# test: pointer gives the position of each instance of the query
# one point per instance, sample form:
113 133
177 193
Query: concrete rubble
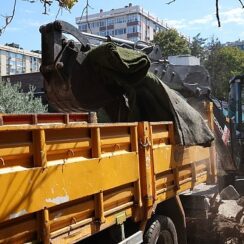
230 209
229 217
224 222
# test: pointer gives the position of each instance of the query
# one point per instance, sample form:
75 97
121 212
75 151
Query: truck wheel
160 230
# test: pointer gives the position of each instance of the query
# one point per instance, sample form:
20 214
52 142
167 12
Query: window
91 24
34 64
110 21
19 56
103 23
110 33
120 31
121 19
11 62
83 27
133 17
95 24
102 33
11 55
133 29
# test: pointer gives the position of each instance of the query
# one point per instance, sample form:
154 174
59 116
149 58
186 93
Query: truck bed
64 179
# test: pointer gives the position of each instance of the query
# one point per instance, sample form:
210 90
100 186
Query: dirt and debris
224 222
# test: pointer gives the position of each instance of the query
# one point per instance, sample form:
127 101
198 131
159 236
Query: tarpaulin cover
123 73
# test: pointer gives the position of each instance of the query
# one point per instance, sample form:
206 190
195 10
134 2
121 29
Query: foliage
14 100
197 47
223 63
171 42
67 3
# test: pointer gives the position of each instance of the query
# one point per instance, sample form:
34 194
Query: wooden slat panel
117 197
115 140
62 183
13 119
13 151
164 180
190 154
15 138
160 134
69 213
20 230
84 144
113 132
67 134
163 159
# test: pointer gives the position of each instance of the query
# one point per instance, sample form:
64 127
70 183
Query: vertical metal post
212 177
96 153
146 167
46 227
39 152
99 208
122 229
96 142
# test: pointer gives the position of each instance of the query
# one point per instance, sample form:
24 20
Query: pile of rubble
226 212
214 217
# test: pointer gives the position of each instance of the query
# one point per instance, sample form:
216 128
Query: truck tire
160 230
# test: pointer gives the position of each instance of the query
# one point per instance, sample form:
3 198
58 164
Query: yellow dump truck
64 179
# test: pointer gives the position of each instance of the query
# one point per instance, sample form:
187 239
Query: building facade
131 23
18 61
239 44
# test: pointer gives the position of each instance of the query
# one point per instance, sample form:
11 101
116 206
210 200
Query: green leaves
197 47
68 4
223 63
171 43
14 100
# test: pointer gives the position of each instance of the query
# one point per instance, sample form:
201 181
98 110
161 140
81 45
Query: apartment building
130 22
239 44
14 60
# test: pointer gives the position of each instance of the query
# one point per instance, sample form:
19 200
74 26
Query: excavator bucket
65 84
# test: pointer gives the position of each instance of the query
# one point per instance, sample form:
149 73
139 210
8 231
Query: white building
131 22
184 60
18 61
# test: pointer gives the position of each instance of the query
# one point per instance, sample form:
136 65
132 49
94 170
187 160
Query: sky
189 17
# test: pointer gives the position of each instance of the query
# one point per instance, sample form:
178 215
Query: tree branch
217 12
8 19
242 5
86 10
170 1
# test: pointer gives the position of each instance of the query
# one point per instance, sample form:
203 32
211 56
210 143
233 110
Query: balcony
135 34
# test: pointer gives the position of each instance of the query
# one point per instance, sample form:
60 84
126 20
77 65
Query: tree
14 100
197 47
171 42
223 63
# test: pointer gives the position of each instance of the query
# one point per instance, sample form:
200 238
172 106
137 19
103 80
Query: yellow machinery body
63 180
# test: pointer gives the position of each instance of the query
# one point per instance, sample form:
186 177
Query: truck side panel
65 182
66 176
